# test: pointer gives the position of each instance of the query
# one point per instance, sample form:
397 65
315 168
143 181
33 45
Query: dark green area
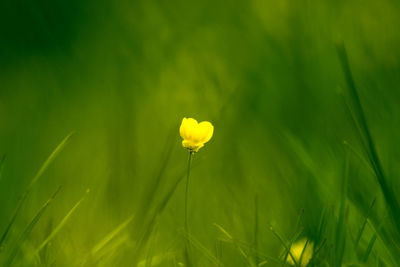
304 97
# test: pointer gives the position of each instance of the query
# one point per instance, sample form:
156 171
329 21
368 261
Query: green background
123 74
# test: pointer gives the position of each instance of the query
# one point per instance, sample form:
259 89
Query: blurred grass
122 74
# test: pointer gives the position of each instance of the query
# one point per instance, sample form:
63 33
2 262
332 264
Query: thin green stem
187 191
186 210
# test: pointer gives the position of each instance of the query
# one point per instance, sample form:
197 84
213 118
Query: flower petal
187 127
205 130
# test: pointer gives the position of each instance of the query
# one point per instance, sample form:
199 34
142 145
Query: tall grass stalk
61 224
298 232
186 206
106 240
153 216
360 120
358 238
152 205
187 190
286 247
239 245
207 253
17 246
341 226
24 196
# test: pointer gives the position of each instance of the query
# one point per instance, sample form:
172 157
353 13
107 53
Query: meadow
302 168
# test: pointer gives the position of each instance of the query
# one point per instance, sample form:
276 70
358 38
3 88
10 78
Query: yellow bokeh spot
195 134
297 249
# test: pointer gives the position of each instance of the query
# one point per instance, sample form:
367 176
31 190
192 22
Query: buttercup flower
195 134
297 249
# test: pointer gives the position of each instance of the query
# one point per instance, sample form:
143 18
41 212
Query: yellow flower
195 134
297 249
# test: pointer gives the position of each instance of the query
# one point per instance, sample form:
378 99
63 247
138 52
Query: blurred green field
299 151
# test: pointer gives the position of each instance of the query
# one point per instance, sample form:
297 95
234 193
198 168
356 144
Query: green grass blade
223 231
60 225
203 249
21 201
150 251
369 248
29 229
50 159
358 238
340 235
159 208
366 136
284 245
106 255
151 207
239 245
318 250
110 236
388 245
154 185
359 156
291 241
302 252
295 236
